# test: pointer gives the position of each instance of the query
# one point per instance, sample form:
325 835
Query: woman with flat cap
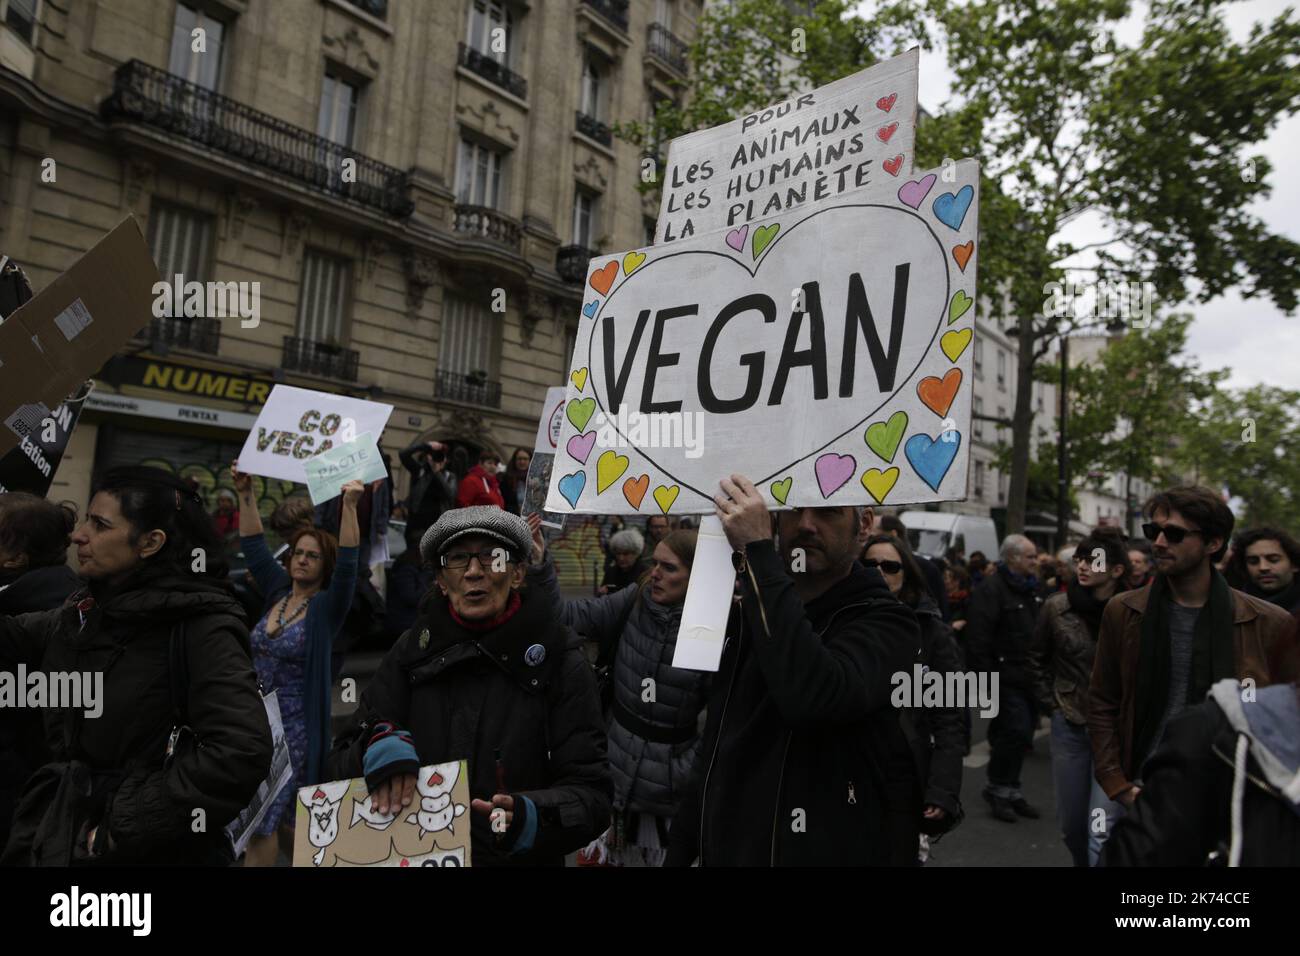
488 673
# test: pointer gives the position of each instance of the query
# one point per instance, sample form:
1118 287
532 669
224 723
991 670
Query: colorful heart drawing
951 209
632 261
880 483
833 471
571 487
609 469
580 411
589 310
634 490
937 394
931 459
954 343
883 437
579 446
959 306
961 254
885 132
886 103
914 193
763 237
736 238
781 489
579 377
893 166
602 280
665 496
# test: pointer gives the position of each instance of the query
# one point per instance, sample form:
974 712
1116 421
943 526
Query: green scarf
1212 657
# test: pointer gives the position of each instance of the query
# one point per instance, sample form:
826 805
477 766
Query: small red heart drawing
885 132
319 794
886 103
892 166
603 279
435 779
937 394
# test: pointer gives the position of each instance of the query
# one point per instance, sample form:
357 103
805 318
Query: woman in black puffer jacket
112 792
657 710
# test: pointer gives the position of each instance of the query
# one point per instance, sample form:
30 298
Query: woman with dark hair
939 735
652 743
308 600
514 483
1060 665
128 787
487 674
34 539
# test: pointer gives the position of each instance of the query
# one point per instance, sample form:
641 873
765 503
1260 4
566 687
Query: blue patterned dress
281 663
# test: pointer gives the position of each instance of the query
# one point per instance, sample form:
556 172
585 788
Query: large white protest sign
840 138
296 424
830 365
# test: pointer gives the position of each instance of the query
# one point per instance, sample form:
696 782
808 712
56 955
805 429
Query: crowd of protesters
1166 666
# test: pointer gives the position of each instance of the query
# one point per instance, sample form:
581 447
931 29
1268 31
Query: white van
932 533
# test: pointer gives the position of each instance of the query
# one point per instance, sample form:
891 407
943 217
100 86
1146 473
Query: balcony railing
201 335
471 387
318 358
495 73
660 42
488 223
615 11
571 263
167 102
591 127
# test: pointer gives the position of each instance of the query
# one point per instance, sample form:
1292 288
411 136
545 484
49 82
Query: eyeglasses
1172 533
889 567
488 559
309 555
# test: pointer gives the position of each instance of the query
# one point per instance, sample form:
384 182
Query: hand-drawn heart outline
753 272
886 103
639 486
604 277
736 238
893 166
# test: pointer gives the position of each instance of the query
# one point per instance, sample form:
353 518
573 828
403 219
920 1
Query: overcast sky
1256 340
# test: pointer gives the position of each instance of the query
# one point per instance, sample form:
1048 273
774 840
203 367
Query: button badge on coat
534 655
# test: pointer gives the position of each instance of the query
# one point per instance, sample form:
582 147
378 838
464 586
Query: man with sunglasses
1161 648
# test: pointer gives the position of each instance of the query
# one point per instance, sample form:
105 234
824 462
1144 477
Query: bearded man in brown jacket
1162 647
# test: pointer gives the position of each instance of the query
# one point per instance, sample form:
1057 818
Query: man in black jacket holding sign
803 761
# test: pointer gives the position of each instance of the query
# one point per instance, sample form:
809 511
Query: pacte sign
829 361
838 139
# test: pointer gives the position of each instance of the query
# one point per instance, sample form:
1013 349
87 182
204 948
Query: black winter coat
469 694
1184 815
804 761
941 734
1000 629
109 771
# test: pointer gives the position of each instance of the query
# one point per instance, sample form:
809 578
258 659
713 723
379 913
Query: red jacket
479 488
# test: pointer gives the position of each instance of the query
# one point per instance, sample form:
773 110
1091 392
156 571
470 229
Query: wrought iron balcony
201 335
615 11
495 73
319 358
471 387
488 223
571 263
162 100
593 128
662 43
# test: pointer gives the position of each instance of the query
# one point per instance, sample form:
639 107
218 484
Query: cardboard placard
853 134
830 364
336 826
62 336
297 424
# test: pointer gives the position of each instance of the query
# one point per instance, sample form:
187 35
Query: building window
202 69
468 334
570 343
978 425
593 81
491 30
179 239
1002 488
376 8
323 298
1002 370
584 218
478 178
649 231
664 13
20 16
979 480
338 109
1002 414
979 358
